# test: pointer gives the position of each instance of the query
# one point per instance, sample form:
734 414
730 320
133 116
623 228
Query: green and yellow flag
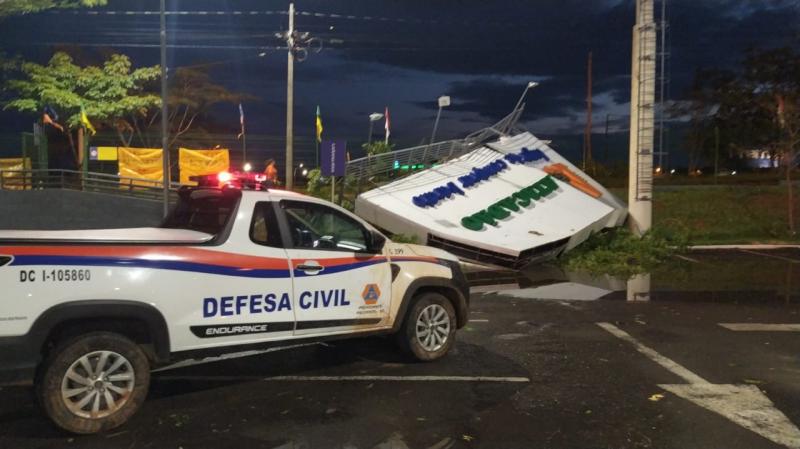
86 123
319 126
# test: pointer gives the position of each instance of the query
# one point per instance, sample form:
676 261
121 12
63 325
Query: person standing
271 172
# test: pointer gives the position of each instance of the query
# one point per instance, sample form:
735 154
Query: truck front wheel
94 382
429 330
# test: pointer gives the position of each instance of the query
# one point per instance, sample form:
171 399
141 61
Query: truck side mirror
376 242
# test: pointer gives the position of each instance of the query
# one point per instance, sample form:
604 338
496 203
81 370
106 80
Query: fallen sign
511 202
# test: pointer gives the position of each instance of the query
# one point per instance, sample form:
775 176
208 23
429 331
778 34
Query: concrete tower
642 130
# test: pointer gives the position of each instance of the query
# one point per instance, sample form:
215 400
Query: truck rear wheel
94 382
429 330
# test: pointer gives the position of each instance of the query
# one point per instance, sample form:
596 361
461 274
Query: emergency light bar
236 180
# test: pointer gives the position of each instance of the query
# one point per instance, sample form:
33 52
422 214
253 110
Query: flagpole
317 134
244 136
386 126
164 119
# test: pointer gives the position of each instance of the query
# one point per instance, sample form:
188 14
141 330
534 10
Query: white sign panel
502 201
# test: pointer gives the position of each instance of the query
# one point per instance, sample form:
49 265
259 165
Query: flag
50 117
781 110
86 123
241 121
319 126
386 125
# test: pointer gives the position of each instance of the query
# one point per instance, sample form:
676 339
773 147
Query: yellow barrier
14 181
201 162
140 163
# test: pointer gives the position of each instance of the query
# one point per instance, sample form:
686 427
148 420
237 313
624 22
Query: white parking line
478 321
669 364
686 258
761 327
744 405
366 378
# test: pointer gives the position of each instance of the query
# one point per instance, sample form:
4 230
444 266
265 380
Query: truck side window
264 228
314 226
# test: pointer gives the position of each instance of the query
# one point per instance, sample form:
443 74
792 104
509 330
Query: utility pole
587 133
436 124
643 74
605 141
663 85
290 101
164 121
369 137
443 102
716 154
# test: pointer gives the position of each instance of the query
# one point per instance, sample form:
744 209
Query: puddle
709 276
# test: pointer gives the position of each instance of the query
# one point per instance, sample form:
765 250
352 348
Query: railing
379 164
86 182
386 163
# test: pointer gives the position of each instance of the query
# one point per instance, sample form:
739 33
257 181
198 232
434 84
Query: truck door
338 286
255 304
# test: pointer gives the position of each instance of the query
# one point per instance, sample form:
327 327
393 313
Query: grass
726 214
619 253
683 216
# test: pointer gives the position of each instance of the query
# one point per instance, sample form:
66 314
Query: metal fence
86 182
381 164
387 163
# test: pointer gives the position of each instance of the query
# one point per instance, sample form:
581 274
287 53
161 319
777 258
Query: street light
374 117
531 85
444 101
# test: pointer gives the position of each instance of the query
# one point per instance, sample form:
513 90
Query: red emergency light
236 180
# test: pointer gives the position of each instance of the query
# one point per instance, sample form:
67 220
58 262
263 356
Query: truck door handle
309 268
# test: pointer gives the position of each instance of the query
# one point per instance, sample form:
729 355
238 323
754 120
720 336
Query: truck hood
126 235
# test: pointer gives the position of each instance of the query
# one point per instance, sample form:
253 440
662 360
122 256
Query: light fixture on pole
374 117
531 85
444 101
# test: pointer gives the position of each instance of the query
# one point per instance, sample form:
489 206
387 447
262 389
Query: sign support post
333 154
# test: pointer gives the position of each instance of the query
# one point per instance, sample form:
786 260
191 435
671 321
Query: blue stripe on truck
145 263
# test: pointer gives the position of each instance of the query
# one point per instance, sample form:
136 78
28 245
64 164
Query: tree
758 107
377 147
107 93
711 104
12 7
772 82
191 95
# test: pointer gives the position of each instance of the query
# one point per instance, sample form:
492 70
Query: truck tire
93 382
429 329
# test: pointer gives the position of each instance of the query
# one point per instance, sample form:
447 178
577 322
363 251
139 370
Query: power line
135 45
168 13
322 15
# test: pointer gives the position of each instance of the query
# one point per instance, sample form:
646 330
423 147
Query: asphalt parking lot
702 367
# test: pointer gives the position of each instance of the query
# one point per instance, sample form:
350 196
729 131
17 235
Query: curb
756 246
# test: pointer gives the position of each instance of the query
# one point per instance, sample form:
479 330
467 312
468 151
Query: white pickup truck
85 315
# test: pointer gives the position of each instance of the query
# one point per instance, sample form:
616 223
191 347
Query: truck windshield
203 210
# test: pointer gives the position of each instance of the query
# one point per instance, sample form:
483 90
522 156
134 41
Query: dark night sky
482 53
